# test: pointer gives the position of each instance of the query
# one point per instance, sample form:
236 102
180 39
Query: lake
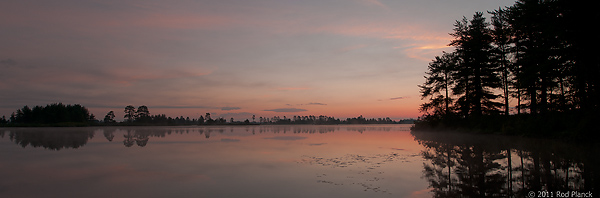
286 161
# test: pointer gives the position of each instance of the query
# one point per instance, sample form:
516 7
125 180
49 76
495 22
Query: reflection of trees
141 139
141 136
109 135
207 134
462 170
310 129
138 137
483 166
53 140
478 172
128 141
440 179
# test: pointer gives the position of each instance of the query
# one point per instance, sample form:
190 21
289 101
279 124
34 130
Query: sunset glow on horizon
233 59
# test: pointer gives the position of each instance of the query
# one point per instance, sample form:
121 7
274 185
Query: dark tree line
142 116
77 115
51 114
538 54
311 119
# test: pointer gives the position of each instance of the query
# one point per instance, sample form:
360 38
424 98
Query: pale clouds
223 56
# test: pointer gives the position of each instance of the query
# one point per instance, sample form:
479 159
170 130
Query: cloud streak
8 62
230 108
182 107
292 88
310 103
376 3
286 110
398 98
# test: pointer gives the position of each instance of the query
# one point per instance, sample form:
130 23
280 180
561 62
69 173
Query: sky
230 58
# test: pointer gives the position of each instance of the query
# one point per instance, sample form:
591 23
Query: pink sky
341 58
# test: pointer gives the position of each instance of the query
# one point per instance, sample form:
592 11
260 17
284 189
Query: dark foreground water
286 161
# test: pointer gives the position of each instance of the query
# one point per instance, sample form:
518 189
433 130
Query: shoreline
567 126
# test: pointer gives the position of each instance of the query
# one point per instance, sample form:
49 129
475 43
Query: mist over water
280 161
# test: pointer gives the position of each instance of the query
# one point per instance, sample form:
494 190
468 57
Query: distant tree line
76 115
538 54
59 114
142 116
311 119
50 114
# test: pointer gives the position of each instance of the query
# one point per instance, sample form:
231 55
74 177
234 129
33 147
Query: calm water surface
283 161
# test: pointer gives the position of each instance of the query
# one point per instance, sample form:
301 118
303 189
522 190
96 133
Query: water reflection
212 161
60 138
483 166
53 140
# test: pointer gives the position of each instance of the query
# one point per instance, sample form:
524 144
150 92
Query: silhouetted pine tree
476 75
438 82
501 36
